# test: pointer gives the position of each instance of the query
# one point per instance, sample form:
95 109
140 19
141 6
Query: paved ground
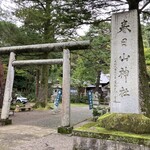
37 130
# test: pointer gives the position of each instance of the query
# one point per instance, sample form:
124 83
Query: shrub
98 111
39 105
74 99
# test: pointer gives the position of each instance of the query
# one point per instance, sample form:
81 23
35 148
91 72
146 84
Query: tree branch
41 4
144 6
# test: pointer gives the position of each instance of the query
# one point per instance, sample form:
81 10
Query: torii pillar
8 91
65 120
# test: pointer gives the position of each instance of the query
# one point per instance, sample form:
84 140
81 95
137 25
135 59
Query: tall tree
52 20
88 66
37 17
145 105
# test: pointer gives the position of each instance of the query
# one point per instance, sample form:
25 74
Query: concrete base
82 143
4 122
65 130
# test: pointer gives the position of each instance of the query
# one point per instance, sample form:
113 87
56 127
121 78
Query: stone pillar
65 120
125 92
2 84
96 99
8 88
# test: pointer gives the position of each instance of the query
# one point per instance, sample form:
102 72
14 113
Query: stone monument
125 84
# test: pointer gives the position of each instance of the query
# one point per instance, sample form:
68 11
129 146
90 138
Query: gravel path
48 118
37 130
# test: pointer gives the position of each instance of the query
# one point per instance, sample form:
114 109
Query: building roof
104 78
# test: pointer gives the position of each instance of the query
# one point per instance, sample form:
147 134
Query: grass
51 106
78 104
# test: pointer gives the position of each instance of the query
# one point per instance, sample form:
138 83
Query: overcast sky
9 6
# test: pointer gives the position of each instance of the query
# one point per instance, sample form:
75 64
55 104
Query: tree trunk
37 82
2 84
133 4
43 85
144 88
48 37
97 81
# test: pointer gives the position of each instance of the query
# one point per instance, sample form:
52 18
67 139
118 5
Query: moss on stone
65 130
4 122
87 126
135 123
92 130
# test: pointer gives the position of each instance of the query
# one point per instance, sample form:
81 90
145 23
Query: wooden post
8 88
65 121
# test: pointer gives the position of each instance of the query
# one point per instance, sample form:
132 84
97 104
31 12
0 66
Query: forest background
24 22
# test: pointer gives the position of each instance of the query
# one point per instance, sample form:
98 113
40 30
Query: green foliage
147 58
146 35
55 73
39 105
100 110
147 55
82 73
135 123
84 99
65 130
10 34
87 64
52 19
12 107
20 104
42 106
74 99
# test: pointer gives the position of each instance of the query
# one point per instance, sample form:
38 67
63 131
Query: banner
58 97
90 99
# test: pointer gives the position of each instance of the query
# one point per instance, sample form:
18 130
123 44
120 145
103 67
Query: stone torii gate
66 47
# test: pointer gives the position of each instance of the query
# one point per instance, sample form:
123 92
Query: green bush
135 123
12 107
39 105
31 96
74 99
20 104
84 99
98 111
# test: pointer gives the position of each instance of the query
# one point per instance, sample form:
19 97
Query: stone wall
82 143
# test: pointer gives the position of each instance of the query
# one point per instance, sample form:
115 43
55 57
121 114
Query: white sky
9 6
83 30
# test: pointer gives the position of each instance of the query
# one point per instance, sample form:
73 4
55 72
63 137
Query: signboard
125 63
